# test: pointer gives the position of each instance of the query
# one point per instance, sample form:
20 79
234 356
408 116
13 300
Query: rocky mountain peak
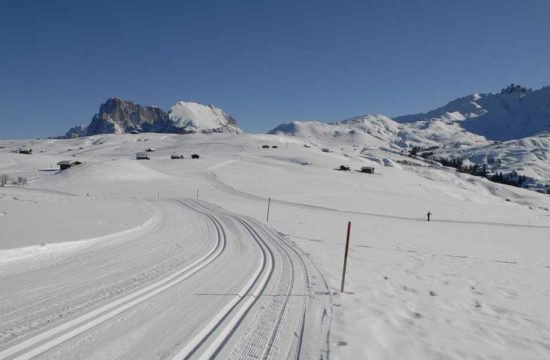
118 116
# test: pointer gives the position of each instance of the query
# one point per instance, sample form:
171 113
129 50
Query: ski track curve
47 340
273 314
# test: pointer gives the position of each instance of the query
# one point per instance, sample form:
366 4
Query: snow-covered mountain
514 113
193 117
117 116
380 131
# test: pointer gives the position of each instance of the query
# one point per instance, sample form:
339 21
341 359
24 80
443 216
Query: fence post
345 257
268 206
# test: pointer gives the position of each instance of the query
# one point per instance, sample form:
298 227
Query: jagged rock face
117 116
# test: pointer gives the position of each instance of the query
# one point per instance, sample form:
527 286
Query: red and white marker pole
345 257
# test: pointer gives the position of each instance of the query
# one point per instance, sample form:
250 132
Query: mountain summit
514 113
117 116
190 117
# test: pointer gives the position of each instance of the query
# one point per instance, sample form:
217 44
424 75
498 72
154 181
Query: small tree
4 178
21 180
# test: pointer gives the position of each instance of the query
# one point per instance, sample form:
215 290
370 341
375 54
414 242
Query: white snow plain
116 258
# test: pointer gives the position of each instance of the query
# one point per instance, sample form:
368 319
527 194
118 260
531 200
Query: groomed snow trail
202 283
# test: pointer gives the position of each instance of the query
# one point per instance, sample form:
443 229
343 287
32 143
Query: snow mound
195 117
114 170
391 163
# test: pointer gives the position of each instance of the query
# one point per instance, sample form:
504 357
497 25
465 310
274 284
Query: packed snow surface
168 259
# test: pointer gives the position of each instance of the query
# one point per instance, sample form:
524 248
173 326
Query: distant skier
428 215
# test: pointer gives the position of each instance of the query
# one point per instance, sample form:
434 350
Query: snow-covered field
116 258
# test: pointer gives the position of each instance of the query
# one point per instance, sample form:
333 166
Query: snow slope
445 138
472 283
529 156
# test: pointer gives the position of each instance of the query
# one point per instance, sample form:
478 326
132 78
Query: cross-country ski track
199 282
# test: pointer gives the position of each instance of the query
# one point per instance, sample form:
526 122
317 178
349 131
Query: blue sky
264 62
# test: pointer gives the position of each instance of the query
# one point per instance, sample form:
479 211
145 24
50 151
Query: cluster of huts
145 156
364 169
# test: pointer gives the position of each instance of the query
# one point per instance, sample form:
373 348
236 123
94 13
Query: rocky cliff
117 116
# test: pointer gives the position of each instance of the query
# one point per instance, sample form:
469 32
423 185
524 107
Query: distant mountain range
514 113
508 131
117 116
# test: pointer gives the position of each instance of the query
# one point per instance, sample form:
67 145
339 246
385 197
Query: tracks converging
264 318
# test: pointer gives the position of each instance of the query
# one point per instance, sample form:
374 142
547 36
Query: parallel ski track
246 222
218 332
205 345
49 339
289 290
210 340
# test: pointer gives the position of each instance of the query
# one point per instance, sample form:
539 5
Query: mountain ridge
514 113
118 116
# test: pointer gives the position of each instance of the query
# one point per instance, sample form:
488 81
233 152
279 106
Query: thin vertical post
158 195
197 193
268 206
345 257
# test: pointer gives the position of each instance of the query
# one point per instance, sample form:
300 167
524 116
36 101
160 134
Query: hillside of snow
453 132
529 156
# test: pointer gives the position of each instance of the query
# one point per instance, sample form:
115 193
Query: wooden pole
345 257
268 206
197 193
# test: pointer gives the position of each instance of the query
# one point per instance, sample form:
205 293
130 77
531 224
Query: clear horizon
264 64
